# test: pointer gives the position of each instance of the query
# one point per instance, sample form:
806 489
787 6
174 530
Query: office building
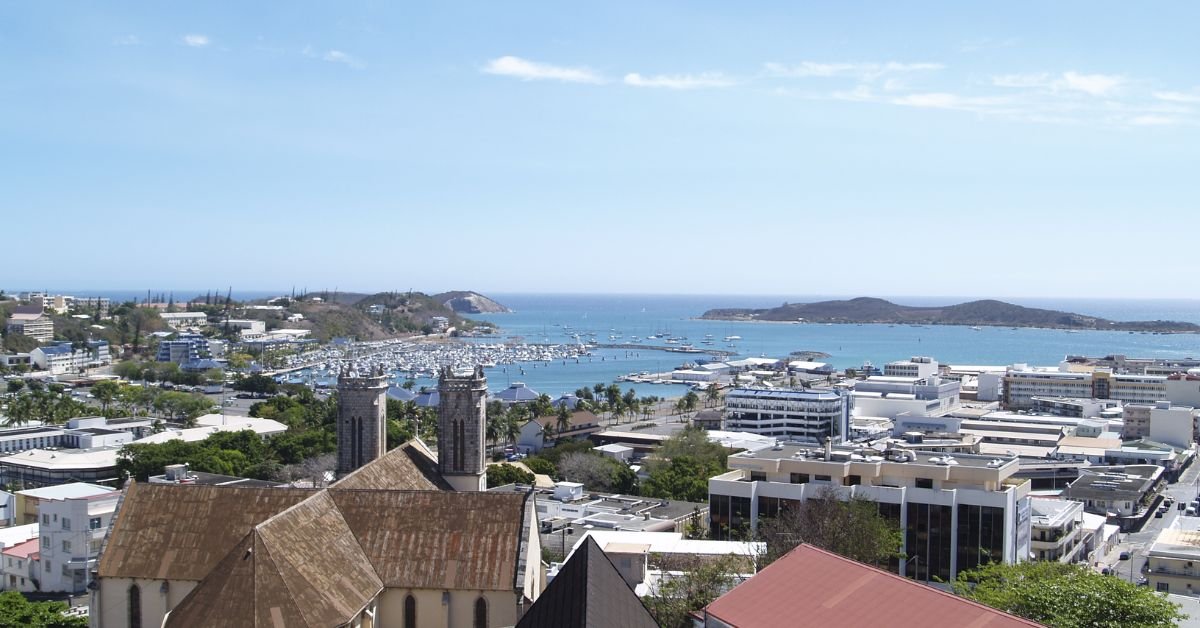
807 416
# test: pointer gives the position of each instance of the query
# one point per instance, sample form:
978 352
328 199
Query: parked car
1158 515
1124 556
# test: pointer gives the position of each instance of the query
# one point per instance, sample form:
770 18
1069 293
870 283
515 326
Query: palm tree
714 394
564 420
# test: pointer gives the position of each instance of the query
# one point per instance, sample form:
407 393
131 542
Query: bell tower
462 418
362 418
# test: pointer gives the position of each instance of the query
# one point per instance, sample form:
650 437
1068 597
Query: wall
110 608
432 613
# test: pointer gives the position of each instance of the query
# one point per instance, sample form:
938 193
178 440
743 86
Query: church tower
362 418
462 417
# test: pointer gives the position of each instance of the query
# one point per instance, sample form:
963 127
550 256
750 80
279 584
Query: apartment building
916 366
183 349
64 357
807 416
1057 530
30 320
1178 426
894 395
184 320
1174 562
1022 384
19 566
955 510
72 530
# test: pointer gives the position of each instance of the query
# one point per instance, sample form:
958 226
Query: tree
700 582
15 386
852 528
563 422
16 610
712 394
501 474
1065 596
257 384
597 472
105 392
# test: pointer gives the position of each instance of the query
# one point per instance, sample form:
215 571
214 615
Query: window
924 483
66 523
824 478
66 545
410 612
481 620
46 566
799 478
758 476
45 519
45 541
135 606
94 523
852 480
1163 587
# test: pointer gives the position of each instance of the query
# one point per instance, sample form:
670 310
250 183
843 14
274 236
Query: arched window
135 606
410 612
481 613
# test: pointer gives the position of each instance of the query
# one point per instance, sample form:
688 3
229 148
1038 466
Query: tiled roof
836 591
587 592
23 550
180 532
303 566
409 467
437 539
578 418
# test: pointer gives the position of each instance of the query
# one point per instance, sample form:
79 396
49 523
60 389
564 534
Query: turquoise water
541 318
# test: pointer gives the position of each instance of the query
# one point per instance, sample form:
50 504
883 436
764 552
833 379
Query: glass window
135 606
853 480
824 478
410 612
94 523
758 476
66 523
799 478
481 618
924 483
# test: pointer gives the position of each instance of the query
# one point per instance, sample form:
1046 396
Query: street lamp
565 531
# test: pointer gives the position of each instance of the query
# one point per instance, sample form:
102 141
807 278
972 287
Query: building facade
362 418
807 416
462 419
72 532
63 357
1022 384
956 511
183 349
30 321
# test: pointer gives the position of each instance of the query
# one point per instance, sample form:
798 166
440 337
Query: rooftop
843 453
74 490
25 549
1177 543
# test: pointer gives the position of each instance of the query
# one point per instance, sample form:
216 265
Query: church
404 538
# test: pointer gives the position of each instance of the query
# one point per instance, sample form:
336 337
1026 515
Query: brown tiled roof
437 540
409 467
180 532
833 593
578 418
588 592
302 566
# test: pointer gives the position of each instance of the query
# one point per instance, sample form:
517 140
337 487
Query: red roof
23 550
811 587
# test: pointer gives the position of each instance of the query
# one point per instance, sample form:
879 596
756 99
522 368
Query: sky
851 148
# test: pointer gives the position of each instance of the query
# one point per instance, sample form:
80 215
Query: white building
956 511
1057 530
1022 383
72 530
30 321
63 357
1184 388
796 415
916 366
184 320
1174 561
1174 425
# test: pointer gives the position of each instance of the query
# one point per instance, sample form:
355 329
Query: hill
467 302
975 313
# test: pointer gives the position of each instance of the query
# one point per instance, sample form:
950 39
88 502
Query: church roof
180 532
409 467
302 566
587 592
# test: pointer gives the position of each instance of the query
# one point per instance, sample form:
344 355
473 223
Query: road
1138 543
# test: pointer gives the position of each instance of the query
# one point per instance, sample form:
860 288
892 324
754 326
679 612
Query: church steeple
462 418
362 417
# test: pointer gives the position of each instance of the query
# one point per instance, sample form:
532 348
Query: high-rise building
362 418
462 417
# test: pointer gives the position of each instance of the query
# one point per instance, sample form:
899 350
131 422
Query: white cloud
1094 84
1091 84
127 40
1178 97
527 70
337 56
863 71
1154 120
680 81
195 41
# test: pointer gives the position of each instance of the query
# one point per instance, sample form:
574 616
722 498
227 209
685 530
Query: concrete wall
110 604
446 609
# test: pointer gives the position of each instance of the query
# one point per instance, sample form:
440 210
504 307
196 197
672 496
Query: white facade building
795 415
916 366
72 531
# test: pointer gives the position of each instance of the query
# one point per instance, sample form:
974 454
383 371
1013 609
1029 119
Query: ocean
542 318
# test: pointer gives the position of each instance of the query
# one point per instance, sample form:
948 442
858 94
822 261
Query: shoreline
966 325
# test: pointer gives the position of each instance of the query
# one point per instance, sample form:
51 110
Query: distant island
988 312
467 302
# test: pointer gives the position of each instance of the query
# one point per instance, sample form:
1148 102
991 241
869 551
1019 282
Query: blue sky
1012 149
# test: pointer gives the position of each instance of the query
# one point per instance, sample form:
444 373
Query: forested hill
975 313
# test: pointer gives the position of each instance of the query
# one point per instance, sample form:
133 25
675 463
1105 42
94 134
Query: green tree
712 394
684 478
563 422
541 465
699 583
258 384
852 528
105 392
16 610
501 474
1065 596
15 386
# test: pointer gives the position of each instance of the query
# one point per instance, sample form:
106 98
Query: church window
135 606
481 620
410 612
